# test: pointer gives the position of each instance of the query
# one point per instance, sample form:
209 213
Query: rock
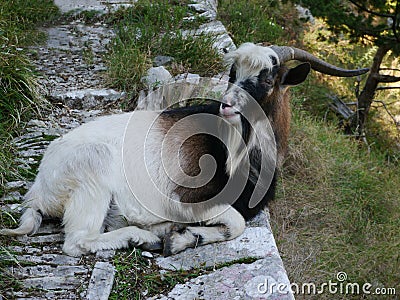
188 77
41 239
88 98
46 270
36 123
101 281
162 60
101 7
105 254
147 254
255 242
258 280
305 14
50 259
156 77
53 283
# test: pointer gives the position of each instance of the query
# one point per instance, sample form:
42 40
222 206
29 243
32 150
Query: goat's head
261 73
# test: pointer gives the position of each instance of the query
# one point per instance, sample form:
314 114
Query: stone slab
51 259
258 280
53 283
47 270
41 239
96 5
255 242
101 281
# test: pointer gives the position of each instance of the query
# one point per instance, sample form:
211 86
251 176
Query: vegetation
138 278
19 90
372 22
337 208
147 30
20 94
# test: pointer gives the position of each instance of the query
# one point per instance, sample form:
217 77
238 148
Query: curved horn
286 53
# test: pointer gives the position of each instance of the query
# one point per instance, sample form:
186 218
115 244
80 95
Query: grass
260 21
337 209
138 278
20 96
148 30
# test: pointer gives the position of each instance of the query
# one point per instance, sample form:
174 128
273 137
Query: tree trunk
367 95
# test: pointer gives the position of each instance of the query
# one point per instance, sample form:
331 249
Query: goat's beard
231 135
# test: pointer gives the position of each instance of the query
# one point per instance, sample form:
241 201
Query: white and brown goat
86 176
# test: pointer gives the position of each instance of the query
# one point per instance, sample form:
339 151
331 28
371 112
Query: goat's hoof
155 246
168 249
175 242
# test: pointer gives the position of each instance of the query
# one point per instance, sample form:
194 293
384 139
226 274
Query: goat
100 177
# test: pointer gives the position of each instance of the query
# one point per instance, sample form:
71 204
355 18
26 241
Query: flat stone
25 249
188 77
53 283
260 220
96 5
156 76
147 254
13 197
105 254
47 270
42 239
15 184
37 123
255 242
50 259
258 280
88 98
101 281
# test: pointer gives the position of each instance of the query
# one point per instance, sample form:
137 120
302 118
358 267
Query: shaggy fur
135 174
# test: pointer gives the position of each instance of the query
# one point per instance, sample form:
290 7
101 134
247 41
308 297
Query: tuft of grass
20 97
137 277
152 28
260 21
20 18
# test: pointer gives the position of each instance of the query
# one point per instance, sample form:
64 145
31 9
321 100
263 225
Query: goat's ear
296 75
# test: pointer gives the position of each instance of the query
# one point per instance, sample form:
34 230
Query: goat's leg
121 238
228 225
83 220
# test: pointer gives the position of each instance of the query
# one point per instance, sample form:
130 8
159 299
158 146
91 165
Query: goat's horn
286 53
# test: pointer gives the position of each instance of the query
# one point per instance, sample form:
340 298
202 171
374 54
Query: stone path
71 64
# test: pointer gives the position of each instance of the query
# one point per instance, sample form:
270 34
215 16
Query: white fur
82 172
94 168
250 59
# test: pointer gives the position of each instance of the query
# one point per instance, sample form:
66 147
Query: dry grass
337 210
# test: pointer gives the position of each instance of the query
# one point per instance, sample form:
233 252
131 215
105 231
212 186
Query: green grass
148 30
337 209
20 18
20 96
260 21
19 89
138 278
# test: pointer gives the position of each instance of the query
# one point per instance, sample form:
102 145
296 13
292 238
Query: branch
397 124
389 69
381 88
386 78
372 12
